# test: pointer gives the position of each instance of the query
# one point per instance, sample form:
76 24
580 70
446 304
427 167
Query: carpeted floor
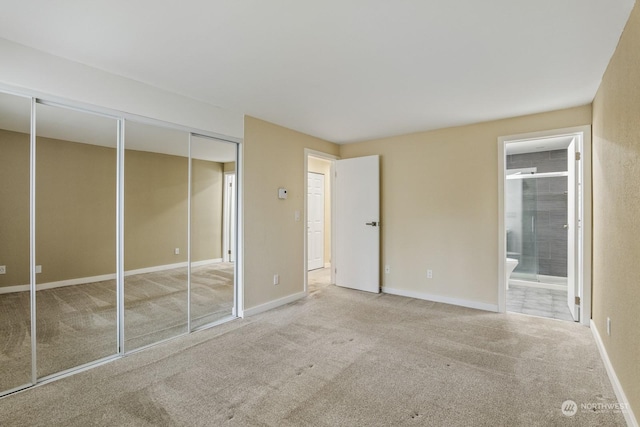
341 357
77 324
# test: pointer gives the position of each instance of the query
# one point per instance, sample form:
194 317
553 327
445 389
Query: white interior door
229 237
572 230
357 222
315 221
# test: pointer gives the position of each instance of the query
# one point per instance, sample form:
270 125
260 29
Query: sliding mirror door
212 225
15 313
76 299
156 182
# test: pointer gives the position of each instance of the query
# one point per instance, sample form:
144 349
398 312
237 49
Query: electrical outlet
3 269
38 269
387 269
429 274
176 251
276 279
608 326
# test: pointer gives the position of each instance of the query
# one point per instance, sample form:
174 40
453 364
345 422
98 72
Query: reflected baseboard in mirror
91 308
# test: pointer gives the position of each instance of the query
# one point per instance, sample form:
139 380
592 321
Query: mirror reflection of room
156 183
15 313
212 230
59 237
75 252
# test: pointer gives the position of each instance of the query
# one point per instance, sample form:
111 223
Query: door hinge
577 300
577 155
229 251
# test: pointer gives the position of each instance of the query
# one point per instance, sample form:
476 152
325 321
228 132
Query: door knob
372 223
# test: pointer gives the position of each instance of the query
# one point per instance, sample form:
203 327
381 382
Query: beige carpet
77 324
341 358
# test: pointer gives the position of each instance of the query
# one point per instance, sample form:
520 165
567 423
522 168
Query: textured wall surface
616 205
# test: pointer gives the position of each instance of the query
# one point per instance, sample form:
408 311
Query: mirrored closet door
115 234
212 230
156 192
75 245
15 313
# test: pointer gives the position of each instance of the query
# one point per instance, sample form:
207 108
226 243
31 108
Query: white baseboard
155 268
272 304
12 289
206 262
615 383
93 279
437 298
58 284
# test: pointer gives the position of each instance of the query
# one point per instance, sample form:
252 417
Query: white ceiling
342 70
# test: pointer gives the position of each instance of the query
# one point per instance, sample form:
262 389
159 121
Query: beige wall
14 207
230 167
273 240
616 206
324 167
155 209
156 188
207 182
76 209
439 204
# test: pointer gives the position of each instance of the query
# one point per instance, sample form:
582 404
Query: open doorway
543 241
318 215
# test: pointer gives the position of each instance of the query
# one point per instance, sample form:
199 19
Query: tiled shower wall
551 211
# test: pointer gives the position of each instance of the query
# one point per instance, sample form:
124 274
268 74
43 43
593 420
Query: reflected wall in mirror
76 298
15 314
155 233
212 272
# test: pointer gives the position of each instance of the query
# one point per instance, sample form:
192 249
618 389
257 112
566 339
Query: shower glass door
521 218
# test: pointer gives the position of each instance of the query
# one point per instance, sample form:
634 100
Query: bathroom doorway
543 226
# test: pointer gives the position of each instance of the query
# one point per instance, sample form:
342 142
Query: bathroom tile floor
538 302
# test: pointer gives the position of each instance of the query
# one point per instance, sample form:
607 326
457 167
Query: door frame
584 234
331 158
